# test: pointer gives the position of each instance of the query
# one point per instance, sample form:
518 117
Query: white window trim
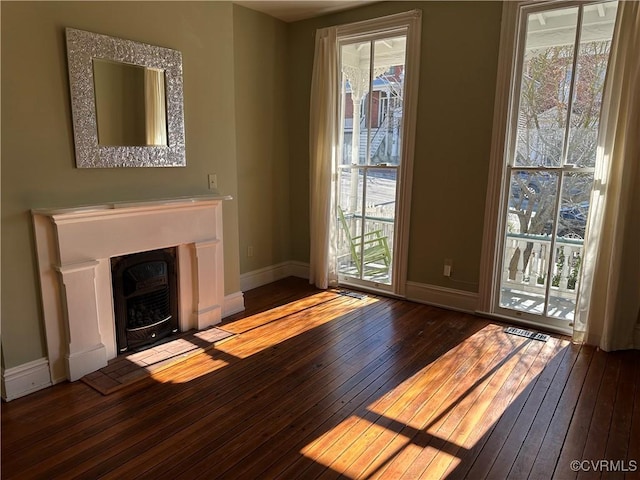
501 119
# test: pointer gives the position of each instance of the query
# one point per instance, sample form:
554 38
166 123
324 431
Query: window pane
366 254
545 87
574 205
564 279
380 201
593 57
356 61
386 109
572 221
351 190
525 266
532 200
349 220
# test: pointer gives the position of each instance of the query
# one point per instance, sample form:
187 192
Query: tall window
361 152
552 139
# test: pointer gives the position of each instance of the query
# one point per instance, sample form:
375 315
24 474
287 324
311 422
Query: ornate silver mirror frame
82 48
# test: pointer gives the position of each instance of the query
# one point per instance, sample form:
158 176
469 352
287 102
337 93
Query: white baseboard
233 303
450 298
25 379
298 269
263 276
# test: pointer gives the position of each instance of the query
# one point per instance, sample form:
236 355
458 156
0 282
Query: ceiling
294 10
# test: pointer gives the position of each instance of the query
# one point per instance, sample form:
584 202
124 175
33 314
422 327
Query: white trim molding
492 225
298 269
25 379
527 323
272 273
437 296
233 303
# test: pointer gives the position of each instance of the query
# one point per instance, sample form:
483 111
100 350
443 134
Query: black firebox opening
145 298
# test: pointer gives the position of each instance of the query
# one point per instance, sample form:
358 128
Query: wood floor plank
532 443
499 421
382 376
261 319
435 402
317 384
312 390
546 460
633 450
440 432
620 430
596 442
439 342
451 378
369 425
312 365
386 442
497 464
447 450
482 412
573 444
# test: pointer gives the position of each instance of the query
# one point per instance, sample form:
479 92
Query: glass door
368 169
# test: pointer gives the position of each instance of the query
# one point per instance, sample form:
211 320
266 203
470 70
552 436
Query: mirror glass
126 102
130 104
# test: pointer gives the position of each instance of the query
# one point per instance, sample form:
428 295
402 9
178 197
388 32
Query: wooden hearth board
125 370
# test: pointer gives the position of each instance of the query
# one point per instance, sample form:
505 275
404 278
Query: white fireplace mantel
74 248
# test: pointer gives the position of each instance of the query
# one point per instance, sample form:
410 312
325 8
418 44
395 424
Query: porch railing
526 260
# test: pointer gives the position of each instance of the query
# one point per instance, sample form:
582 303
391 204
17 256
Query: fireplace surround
74 251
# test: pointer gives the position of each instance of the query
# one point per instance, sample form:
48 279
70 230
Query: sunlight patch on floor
337 447
404 401
190 369
434 426
280 312
293 320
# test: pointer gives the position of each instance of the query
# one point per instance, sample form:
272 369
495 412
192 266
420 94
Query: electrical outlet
213 181
448 267
250 251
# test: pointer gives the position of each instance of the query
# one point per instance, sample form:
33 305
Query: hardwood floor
319 384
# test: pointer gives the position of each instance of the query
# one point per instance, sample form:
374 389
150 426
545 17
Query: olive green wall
261 74
459 54
38 166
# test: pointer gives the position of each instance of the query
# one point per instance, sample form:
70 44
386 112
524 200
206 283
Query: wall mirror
126 102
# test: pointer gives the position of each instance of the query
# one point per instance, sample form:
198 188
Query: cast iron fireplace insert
145 298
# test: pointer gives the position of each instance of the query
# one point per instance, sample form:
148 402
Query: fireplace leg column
210 290
85 351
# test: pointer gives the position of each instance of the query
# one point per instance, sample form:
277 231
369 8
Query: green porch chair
373 246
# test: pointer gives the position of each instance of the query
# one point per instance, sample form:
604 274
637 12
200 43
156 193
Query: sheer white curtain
323 143
609 306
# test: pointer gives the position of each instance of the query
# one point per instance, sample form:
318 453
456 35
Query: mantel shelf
146 204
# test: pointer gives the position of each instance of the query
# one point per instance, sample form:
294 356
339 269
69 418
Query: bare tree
542 123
